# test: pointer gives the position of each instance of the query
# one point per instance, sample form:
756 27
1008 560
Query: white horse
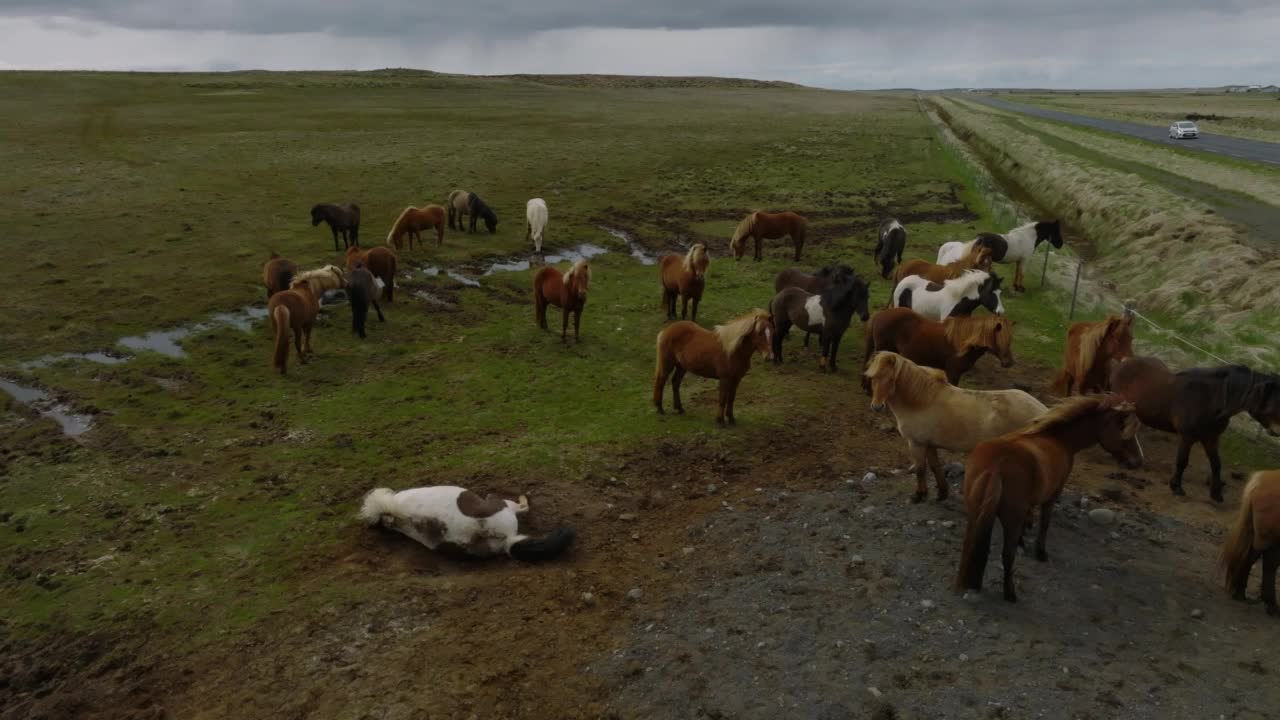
957 296
1015 246
452 518
535 212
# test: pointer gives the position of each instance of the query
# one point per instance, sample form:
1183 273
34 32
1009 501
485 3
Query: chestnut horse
1091 349
1197 405
978 259
1006 478
1256 535
567 291
953 346
768 226
412 221
293 310
722 354
381 261
343 220
934 415
684 277
277 273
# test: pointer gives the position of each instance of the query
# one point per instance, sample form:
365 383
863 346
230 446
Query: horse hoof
1177 490
1042 556
1239 597
679 411
1216 494
1273 611
661 411
732 422
917 498
1010 597
942 497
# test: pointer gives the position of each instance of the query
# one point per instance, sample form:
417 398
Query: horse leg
669 298
297 343
676 379
833 350
577 318
540 312
1210 445
732 395
1046 511
759 240
806 339
439 235
1270 559
693 315
1012 530
375 307
335 237
1180 465
939 477
684 306
1017 277
564 324
306 334
1240 582
660 382
920 460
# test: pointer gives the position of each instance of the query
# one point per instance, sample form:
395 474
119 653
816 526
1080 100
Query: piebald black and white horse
888 252
827 313
958 296
1019 244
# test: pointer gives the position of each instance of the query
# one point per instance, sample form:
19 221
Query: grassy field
1248 115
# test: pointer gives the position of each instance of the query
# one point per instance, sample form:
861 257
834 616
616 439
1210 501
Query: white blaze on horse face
814 307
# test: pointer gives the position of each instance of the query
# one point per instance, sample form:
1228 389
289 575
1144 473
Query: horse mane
743 228
1091 340
580 269
308 274
913 384
967 332
1068 410
733 332
696 260
970 279
396 225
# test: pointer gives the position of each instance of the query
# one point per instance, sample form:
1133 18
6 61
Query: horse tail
377 503
280 318
390 279
977 536
1239 545
528 549
359 295
395 227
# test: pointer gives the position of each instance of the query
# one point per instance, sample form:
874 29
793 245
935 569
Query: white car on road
1183 129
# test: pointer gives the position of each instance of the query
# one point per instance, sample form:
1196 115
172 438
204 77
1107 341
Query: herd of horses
943 316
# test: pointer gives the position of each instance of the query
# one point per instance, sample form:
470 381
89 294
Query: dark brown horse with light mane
953 346
381 261
567 291
722 354
684 277
1006 478
1255 535
293 310
768 226
343 220
1091 349
277 273
412 221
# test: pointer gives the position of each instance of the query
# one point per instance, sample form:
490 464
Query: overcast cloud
917 43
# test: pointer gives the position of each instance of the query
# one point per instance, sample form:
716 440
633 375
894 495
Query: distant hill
645 81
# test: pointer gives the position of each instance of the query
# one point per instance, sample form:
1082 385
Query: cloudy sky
830 43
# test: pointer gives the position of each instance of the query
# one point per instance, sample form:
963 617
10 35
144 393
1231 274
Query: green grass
1249 115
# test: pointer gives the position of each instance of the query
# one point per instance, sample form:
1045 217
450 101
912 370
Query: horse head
762 334
578 278
882 375
491 222
1051 231
317 215
982 257
989 294
851 291
1118 431
1117 344
1266 407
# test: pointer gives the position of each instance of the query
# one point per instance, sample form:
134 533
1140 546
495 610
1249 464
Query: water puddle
72 424
166 342
101 358
433 271
637 252
585 251
432 299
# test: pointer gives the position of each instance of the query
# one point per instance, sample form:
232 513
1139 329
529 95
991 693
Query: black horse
827 313
343 219
888 252
478 210
812 283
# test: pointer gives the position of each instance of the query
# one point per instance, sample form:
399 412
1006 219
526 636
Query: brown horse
722 354
1091 348
768 226
343 220
292 310
953 346
381 261
567 291
1197 405
1256 535
977 259
684 277
1006 478
277 273
412 221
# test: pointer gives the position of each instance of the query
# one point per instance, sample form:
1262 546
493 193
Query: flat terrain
1244 115
194 553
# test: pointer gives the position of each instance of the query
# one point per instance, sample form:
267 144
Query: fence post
1075 289
1045 270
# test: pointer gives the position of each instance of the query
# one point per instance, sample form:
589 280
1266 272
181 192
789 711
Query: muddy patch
72 423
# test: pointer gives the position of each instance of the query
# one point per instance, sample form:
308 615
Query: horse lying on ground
1255 535
343 219
535 213
684 277
722 354
1006 478
1197 405
979 259
888 252
1091 349
363 289
1019 245
960 296
293 310
277 273
381 261
452 519
567 291
827 313
412 221
768 226
953 346
933 414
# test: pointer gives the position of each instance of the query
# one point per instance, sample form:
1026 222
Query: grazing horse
481 211
412 221
381 261
827 313
768 226
979 259
684 277
1020 244
722 354
933 414
363 289
329 277
535 213
1256 535
1091 348
567 291
888 252
292 310
1009 476
952 346
459 204
960 296
452 519
277 273
344 219
1197 405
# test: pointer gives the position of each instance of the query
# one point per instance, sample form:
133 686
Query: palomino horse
452 519
381 261
722 354
768 226
343 219
952 346
827 313
459 204
321 280
1091 348
292 310
1006 478
1256 535
1197 405
1020 244
567 291
412 221
933 414
888 252
979 259
535 214
481 211
363 289
684 277
277 273
960 296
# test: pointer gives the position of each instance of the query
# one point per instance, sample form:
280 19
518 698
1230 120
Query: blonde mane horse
722 354
329 277
1091 348
759 226
685 278
934 415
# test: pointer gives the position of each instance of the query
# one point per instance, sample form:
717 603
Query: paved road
1240 148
